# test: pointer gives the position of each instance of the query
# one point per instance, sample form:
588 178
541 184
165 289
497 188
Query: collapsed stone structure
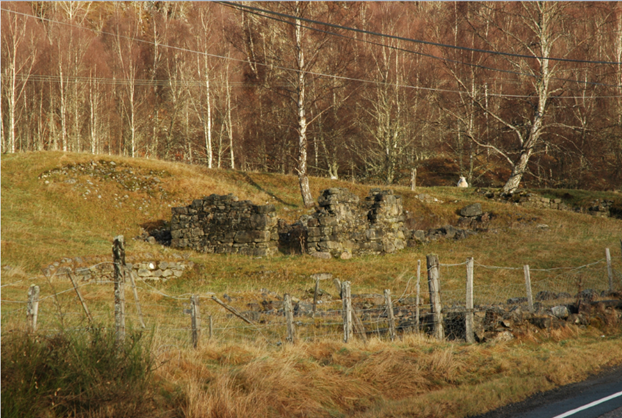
342 226
222 224
603 208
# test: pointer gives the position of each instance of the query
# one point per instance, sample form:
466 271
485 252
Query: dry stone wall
222 224
145 266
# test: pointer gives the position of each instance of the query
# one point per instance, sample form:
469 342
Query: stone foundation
222 224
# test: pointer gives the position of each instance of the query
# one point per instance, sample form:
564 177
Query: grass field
58 205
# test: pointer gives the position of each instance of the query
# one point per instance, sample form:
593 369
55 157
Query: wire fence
316 315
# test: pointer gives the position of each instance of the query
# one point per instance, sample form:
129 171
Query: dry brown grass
414 377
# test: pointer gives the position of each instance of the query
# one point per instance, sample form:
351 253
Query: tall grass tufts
76 374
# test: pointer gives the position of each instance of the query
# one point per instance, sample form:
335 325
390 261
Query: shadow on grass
253 183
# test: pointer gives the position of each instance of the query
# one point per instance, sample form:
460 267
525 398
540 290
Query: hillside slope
60 205
57 205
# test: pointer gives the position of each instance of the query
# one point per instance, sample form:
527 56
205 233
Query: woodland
507 94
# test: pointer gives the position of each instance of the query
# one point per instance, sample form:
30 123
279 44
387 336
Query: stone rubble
599 207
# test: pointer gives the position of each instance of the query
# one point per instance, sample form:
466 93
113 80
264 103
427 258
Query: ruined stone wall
600 207
222 224
344 226
146 266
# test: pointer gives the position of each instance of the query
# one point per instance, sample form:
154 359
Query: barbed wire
271 324
453 265
14 283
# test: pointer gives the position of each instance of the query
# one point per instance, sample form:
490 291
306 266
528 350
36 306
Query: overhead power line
460 92
483 67
48 78
419 41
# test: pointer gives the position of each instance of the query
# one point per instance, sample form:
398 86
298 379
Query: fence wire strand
171 319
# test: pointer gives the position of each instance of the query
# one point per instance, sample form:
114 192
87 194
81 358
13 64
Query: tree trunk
229 123
303 178
208 133
517 172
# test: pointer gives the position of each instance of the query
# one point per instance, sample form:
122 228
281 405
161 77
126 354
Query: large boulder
471 211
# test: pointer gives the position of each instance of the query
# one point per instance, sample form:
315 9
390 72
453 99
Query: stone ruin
222 224
342 226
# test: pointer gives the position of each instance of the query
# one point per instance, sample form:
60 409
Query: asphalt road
572 401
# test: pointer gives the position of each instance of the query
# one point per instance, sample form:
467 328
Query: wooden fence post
387 301
470 336
609 269
337 284
32 309
417 300
118 257
289 317
413 179
317 289
433 265
75 286
528 287
346 297
211 328
195 315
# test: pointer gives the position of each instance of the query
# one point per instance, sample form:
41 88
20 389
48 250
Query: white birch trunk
208 132
303 178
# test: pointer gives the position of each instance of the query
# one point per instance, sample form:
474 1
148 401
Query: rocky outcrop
222 224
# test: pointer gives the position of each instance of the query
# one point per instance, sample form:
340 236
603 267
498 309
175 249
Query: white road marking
589 405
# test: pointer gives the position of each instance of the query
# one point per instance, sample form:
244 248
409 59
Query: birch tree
533 30
18 57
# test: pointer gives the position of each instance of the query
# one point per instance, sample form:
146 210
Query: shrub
76 375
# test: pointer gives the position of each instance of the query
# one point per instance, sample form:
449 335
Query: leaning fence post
289 317
118 257
417 300
347 311
387 301
609 269
470 337
528 287
75 286
195 315
435 297
32 309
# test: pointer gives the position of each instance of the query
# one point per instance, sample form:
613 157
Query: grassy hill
59 205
